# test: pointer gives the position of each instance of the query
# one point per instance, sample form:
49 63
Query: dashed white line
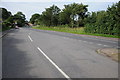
105 45
84 41
102 40
63 73
99 44
30 38
65 38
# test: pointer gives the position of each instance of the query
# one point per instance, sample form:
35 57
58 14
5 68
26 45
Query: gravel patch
112 53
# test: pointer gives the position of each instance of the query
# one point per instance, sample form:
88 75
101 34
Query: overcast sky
30 7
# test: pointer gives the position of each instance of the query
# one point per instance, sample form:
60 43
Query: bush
104 22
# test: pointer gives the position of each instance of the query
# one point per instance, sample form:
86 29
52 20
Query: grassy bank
72 30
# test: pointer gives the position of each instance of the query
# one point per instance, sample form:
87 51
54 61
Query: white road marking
105 45
115 42
99 44
84 41
30 38
102 40
65 38
64 74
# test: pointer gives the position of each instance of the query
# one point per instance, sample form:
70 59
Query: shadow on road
15 63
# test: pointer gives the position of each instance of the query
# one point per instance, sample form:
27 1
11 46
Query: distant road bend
31 53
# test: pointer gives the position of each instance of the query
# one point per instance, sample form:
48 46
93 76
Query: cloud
59 0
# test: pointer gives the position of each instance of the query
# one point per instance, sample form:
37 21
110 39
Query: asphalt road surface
31 53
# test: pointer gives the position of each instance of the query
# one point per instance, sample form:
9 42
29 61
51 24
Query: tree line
77 15
72 15
104 22
8 20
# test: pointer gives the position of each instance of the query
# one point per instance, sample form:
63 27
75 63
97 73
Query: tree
5 14
64 16
34 18
114 18
50 16
6 24
55 15
105 22
8 19
73 14
19 17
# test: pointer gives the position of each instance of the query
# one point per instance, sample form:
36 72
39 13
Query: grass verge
72 30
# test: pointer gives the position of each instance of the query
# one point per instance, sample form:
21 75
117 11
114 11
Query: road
31 53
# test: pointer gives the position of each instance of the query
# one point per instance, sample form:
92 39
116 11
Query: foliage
104 22
5 14
8 19
19 17
50 16
5 18
76 15
34 18
72 15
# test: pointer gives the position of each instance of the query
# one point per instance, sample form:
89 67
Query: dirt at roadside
112 53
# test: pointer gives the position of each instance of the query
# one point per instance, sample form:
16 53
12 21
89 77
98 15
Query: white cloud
59 0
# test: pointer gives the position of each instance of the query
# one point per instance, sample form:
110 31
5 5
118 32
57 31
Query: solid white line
30 38
66 76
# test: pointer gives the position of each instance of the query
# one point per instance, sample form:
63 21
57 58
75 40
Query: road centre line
99 44
89 42
84 41
102 40
63 73
105 45
30 38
